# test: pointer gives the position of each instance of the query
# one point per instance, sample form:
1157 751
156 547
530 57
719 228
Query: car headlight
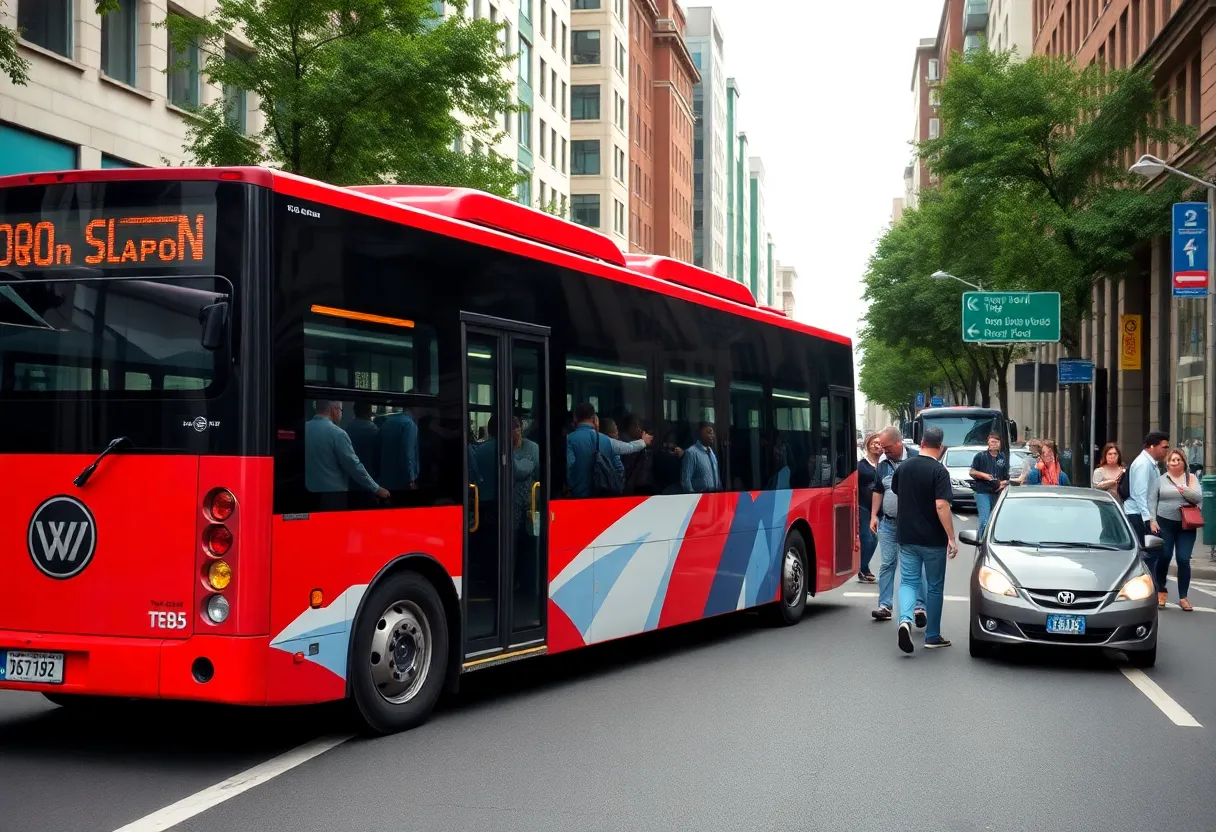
1137 589
996 582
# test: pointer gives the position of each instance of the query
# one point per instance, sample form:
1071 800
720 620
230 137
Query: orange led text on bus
115 241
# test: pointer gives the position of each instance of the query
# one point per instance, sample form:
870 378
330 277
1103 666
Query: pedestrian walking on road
1173 492
1034 449
1107 475
990 471
1141 477
885 510
926 536
866 471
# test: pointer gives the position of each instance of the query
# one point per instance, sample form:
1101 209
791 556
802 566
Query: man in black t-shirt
991 473
926 536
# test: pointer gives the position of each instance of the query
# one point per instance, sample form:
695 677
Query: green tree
355 91
12 62
891 377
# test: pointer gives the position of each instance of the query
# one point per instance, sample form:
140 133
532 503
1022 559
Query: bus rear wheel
795 581
400 654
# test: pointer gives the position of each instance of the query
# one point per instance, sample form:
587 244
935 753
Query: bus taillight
217 539
220 504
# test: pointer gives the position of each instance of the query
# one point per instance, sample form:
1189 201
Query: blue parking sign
1190 250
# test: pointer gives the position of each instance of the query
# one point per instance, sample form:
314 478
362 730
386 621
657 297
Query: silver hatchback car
1060 567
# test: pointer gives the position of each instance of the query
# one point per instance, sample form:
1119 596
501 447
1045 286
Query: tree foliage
891 377
1033 195
355 91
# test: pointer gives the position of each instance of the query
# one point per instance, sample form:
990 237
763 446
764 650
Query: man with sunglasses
882 523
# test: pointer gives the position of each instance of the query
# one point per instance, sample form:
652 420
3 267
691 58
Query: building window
544 76
25 152
183 76
618 217
620 10
552 145
585 102
933 71
935 97
563 159
541 139
118 39
525 128
585 157
935 127
586 48
585 209
620 111
618 164
565 55
47 23
564 91
620 57
236 101
585 5
525 187
525 61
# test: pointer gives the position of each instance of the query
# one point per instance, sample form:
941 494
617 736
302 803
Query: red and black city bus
253 428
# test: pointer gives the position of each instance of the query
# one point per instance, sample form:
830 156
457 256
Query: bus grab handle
476 508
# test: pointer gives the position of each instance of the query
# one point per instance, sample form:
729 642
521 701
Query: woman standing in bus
866 471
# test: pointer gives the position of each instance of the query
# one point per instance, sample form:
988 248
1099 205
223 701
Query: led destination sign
128 240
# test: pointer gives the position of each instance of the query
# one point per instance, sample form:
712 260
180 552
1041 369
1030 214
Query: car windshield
959 457
1062 523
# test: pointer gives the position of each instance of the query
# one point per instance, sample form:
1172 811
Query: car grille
1049 598
1094 635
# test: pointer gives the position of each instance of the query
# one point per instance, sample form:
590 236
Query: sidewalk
1202 565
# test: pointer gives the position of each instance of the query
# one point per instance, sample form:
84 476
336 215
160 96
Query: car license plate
42 668
1066 625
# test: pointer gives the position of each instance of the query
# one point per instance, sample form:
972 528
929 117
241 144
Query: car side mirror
214 320
1151 541
969 536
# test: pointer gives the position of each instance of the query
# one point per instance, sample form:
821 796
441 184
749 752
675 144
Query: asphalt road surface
726 725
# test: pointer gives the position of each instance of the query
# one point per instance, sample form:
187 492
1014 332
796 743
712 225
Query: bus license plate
41 668
1066 625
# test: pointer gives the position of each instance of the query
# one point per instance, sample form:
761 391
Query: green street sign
1019 317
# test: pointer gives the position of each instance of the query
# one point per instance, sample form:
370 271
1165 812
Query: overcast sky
827 104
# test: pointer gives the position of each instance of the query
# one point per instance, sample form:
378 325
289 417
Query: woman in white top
1176 488
1107 475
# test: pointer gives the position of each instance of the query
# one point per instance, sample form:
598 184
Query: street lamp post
941 275
1150 167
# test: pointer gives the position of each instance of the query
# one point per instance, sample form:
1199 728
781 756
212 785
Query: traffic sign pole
1037 432
1209 366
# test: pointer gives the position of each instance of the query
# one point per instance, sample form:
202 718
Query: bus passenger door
844 490
505 582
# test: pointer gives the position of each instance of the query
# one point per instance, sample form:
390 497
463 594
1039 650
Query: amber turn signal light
316 599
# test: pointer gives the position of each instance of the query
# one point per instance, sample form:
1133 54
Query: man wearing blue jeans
991 474
885 507
926 536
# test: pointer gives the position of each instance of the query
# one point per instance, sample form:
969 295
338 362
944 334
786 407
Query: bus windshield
965 429
120 313
103 287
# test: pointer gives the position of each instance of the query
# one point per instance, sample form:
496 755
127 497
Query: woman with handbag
1174 504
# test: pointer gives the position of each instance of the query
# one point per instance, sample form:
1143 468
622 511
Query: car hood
1076 569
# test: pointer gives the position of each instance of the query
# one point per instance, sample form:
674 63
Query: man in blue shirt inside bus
330 462
580 451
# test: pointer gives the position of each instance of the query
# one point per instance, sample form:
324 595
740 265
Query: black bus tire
794 577
399 654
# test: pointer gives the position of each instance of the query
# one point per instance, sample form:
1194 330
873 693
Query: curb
1202 566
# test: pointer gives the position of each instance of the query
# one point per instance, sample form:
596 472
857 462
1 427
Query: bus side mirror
214 319
1013 431
916 432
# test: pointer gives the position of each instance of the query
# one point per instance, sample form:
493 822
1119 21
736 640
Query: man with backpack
593 468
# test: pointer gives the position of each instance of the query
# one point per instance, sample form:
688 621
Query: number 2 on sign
1192 218
1190 248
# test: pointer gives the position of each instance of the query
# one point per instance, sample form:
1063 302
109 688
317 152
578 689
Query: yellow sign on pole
1130 342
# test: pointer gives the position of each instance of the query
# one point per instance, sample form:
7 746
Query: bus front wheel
400 655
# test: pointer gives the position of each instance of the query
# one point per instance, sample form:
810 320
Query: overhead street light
1150 167
940 275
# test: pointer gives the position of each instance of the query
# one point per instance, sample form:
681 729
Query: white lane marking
212 796
1176 713
875 595
1195 608
1198 588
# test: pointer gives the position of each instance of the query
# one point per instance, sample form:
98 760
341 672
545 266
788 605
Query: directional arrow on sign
972 331
973 303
